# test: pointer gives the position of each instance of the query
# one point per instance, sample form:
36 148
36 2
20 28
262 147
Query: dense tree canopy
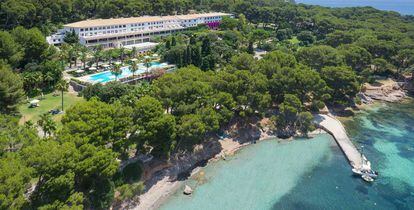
343 83
316 56
11 89
99 124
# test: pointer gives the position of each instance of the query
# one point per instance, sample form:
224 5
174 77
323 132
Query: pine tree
11 89
188 55
71 37
168 44
250 49
184 55
193 40
173 41
196 56
206 47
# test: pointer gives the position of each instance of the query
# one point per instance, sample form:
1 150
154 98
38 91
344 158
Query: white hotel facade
120 32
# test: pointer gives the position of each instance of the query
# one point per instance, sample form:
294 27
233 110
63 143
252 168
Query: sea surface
405 7
314 174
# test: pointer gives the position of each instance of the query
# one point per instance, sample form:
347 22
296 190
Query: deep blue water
314 174
402 6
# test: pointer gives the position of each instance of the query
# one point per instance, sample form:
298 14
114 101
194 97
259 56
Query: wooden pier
334 127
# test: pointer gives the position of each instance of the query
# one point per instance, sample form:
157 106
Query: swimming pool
107 76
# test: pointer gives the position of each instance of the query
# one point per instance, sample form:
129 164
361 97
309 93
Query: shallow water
314 174
256 177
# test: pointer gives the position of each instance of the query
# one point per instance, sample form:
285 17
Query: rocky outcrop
188 190
389 91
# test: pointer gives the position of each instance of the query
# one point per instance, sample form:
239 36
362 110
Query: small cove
314 174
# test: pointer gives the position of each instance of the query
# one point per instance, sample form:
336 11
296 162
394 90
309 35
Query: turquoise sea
314 174
402 6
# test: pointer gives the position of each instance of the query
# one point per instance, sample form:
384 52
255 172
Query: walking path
334 127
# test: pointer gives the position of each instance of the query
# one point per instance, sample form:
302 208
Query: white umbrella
105 65
35 101
118 63
79 71
155 55
92 68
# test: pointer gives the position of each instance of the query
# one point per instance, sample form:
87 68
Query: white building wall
121 30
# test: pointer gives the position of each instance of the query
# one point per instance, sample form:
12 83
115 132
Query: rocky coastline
162 178
385 90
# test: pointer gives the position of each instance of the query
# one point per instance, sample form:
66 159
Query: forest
315 56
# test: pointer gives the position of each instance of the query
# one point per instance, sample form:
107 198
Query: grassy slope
49 102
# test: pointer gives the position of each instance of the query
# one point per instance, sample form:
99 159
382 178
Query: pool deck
334 127
142 69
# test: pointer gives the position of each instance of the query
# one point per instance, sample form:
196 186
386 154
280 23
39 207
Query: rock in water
188 190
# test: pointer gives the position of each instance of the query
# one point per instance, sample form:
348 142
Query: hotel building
120 32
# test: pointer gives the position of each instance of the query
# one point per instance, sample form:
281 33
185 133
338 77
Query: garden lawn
49 102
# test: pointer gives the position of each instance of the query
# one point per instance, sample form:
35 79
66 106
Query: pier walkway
336 129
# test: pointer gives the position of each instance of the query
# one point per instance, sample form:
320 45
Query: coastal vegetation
315 57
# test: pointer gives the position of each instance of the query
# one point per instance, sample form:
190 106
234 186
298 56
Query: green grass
49 102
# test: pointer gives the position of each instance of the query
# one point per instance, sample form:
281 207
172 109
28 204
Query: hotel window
81 29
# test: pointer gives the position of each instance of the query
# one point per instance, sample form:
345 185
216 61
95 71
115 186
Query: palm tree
32 80
64 54
133 68
84 55
71 55
134 52
77 49
116 70
106 56
62 86
113 54
97 54
47 124
48 78
147 63
121 54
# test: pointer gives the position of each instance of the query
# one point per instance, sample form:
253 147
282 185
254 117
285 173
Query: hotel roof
142 19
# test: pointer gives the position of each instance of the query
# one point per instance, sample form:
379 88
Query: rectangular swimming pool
107 76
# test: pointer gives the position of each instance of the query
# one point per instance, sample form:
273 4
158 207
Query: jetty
334 127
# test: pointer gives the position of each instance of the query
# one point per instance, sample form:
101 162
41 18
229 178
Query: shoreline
159 193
